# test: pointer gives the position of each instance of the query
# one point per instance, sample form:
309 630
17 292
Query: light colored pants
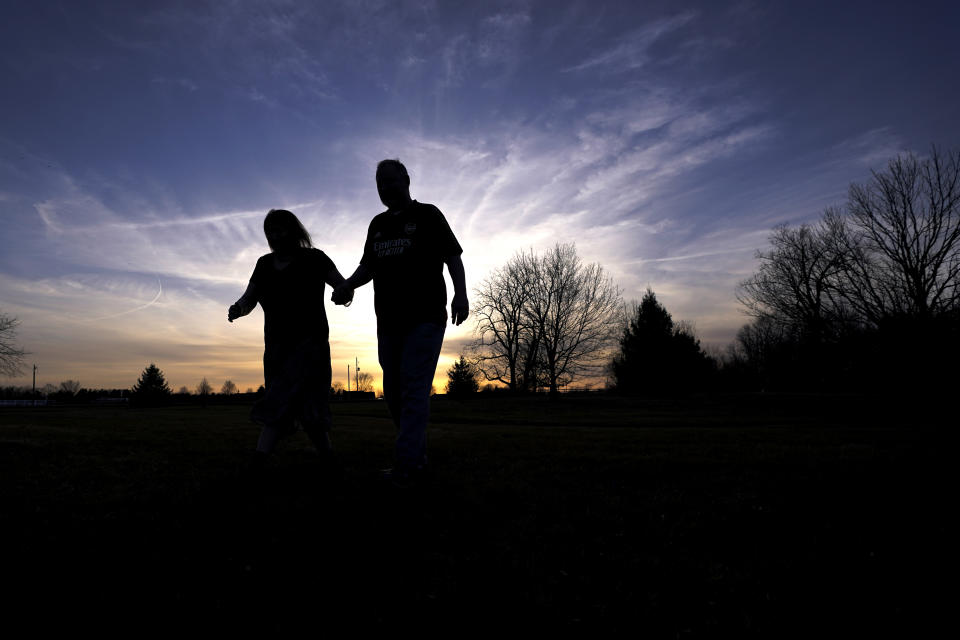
409 361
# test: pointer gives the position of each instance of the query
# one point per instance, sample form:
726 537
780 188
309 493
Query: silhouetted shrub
151 389
657 355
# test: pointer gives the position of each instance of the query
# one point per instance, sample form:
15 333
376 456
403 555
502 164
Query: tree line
548 321
867 297
150 388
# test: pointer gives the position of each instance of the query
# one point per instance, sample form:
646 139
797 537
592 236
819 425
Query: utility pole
356 372
348 378
34 379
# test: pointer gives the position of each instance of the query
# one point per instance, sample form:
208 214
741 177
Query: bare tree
183 391
795 284
70 386
545 320
576 310
203 388
902 239
888 262
365 381
755 341
228 388
11 357
503 335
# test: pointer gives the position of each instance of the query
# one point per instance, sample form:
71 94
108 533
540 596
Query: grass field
747 515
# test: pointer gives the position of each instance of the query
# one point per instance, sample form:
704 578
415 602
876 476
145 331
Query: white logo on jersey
391 247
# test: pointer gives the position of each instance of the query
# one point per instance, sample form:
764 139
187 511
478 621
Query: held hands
342 294
459 309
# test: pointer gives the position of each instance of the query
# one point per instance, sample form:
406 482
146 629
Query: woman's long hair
286 220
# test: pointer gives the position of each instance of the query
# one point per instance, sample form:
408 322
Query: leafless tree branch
11 356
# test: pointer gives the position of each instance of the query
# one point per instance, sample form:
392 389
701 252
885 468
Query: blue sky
142 143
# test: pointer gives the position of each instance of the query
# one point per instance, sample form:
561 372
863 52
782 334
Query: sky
141 144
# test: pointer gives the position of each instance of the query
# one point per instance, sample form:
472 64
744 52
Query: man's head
393 183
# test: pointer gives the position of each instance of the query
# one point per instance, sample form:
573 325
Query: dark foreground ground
764 516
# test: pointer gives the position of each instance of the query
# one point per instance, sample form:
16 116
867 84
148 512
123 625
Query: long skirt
297 381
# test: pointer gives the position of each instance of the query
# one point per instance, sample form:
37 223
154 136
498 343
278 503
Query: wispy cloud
664 145
134 309
873 148
632 50
693 256
602 183
506 189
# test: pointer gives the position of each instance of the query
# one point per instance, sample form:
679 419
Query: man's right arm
363 274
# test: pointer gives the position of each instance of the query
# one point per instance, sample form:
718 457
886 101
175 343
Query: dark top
405 252
292 297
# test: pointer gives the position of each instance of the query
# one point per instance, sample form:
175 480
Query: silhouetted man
406 248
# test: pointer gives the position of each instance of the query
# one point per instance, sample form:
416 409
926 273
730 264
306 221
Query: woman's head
284 231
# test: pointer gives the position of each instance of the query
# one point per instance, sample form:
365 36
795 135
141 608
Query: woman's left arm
333 278
244 305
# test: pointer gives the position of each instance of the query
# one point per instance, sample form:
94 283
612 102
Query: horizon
140 150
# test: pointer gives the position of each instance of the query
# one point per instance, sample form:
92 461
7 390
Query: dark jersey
292 297
405 252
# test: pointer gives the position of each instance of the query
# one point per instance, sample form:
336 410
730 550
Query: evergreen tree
151 389
462 378
657 354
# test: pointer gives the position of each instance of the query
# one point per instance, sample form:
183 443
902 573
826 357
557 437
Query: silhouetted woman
289 285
